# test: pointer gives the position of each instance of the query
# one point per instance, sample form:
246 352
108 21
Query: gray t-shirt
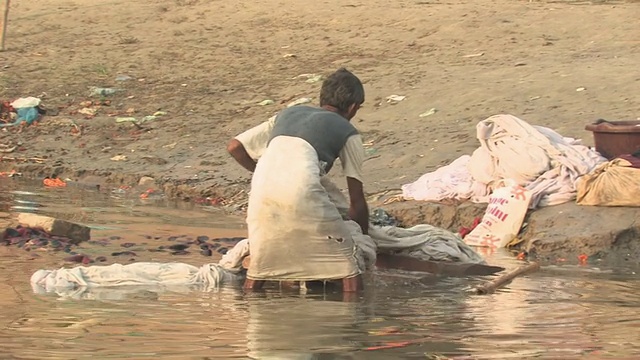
326 131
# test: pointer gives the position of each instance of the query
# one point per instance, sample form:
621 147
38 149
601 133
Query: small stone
57 227
223 250
206 252
101 259
10 232
120 253
178 247
74 258
202 239
180 252
128 245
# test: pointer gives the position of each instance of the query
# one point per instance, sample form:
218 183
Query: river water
560 312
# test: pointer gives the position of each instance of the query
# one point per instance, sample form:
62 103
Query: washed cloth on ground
536 157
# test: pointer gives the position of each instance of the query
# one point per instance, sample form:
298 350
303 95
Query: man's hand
358 210
238 152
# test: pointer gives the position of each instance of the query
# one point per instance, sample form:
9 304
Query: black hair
341 90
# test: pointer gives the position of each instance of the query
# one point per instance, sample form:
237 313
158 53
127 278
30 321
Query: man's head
343 91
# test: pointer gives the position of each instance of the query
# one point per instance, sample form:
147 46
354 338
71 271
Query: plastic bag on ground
614 183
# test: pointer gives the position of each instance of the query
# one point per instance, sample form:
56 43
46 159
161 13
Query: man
296 231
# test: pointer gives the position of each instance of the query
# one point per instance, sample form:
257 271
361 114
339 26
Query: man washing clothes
296 229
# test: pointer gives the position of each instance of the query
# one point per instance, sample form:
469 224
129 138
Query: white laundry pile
536 157
453 181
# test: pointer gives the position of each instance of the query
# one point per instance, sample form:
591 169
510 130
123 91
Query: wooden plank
407 263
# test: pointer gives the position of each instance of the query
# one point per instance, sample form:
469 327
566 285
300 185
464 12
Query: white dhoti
295 230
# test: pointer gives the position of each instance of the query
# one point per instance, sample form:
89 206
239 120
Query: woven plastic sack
503 218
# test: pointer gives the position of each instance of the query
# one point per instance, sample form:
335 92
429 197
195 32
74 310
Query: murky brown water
557 313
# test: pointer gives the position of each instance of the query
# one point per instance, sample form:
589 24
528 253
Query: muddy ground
209 64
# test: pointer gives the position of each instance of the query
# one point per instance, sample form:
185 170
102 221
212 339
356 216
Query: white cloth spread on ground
535 157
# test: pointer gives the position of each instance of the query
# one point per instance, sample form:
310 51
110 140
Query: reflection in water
557 313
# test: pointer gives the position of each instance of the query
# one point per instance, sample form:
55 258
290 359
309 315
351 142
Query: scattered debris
581 89
520 64
54 182
141 121
582 259
36 160
311 78
23 110
28 102
7 148
380 217
464 231
88 111
429 112
149 192
473 55
123 78
394 99
289 56
10 174
304 100
99 91
266 102
119 158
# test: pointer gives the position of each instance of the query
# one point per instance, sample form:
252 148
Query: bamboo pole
491 286
3 25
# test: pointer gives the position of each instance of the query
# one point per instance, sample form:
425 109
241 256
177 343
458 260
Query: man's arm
358 210
352 157
240 154
249 146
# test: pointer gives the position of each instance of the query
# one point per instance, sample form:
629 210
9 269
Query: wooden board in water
400 262
407 263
